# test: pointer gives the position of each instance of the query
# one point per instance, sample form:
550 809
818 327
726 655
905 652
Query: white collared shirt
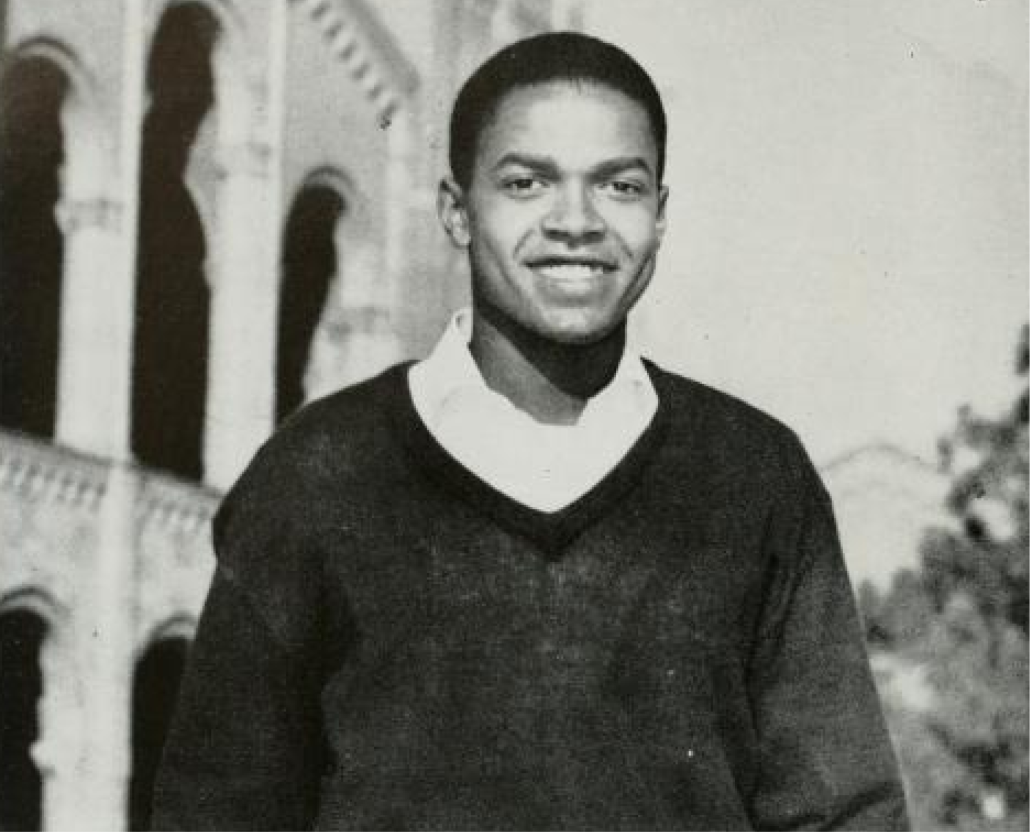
545 467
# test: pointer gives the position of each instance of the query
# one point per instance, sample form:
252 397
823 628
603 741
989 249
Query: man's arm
245 750
826 758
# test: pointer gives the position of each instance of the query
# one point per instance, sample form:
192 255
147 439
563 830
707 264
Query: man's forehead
567 117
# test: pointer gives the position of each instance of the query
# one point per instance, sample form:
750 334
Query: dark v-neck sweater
389 642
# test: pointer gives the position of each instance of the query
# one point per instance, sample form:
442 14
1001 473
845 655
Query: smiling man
533 581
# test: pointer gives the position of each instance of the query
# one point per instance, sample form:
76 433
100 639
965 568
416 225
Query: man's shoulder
713 432
327 436
350 409
712 410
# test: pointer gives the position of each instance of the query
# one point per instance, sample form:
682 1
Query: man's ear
663 197
453 213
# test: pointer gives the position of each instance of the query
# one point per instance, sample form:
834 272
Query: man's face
564 213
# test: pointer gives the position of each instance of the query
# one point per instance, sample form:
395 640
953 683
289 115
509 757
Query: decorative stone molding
174 507
40 472
357 39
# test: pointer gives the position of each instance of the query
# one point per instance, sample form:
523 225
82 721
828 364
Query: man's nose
573 213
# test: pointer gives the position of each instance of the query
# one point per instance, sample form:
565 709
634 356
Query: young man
533 581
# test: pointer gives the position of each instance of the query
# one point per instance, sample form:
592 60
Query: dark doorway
21 687
309 263
169 379
32 92
154 691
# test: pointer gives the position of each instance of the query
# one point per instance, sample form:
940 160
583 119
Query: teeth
570 271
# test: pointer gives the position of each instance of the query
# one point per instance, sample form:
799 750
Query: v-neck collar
553 531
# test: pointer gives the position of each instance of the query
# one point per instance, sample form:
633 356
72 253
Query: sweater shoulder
331 430
313 452
274 525
726 431
707 402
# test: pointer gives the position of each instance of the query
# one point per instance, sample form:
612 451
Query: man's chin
579 332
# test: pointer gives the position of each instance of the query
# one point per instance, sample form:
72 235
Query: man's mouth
568 269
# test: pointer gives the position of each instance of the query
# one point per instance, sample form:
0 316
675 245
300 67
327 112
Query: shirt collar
450 369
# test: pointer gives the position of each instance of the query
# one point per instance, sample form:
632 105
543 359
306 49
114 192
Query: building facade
210 212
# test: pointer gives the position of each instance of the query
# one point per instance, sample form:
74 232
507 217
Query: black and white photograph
514 414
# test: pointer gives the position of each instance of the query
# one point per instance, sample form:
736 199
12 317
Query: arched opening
309 263
32 93
154 691
21 686
170 362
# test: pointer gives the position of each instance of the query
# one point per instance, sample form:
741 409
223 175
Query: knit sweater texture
390 643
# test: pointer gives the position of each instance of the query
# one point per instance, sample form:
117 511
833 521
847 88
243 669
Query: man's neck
550 381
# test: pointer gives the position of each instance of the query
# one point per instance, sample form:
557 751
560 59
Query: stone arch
88 134
37 685
229 63
52 155
176 626
173 293
311 264
22 632
157 672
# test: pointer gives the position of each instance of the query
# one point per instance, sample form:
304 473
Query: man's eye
624 187
522 185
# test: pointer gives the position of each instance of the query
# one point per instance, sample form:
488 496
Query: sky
847 244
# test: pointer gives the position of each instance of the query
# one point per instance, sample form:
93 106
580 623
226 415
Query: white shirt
545 467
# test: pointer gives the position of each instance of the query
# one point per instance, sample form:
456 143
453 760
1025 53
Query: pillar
98 216
96 316
101 274
245 264
59 753
245 270
105 644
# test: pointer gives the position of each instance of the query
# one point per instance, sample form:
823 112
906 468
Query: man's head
557 155
555 56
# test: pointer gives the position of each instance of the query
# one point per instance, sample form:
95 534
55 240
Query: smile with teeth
571 270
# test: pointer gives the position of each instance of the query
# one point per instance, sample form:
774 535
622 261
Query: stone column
240 398
245 268
401 200
96 323
102 287
98 216
105 633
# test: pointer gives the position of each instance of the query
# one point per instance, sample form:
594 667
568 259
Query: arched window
154 691
170 350
308 267
21 686
32 92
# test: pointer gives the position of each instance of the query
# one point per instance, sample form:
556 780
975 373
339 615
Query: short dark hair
555 56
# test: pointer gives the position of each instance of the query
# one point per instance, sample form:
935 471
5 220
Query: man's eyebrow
547 165
622 164
541 164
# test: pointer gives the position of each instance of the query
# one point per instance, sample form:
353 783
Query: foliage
960 621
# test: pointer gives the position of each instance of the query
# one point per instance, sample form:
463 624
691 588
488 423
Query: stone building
210 211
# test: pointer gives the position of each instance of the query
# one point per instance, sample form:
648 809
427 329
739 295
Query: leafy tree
961 620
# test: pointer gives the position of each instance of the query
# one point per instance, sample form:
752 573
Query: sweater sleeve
826 761
245 747
242 751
